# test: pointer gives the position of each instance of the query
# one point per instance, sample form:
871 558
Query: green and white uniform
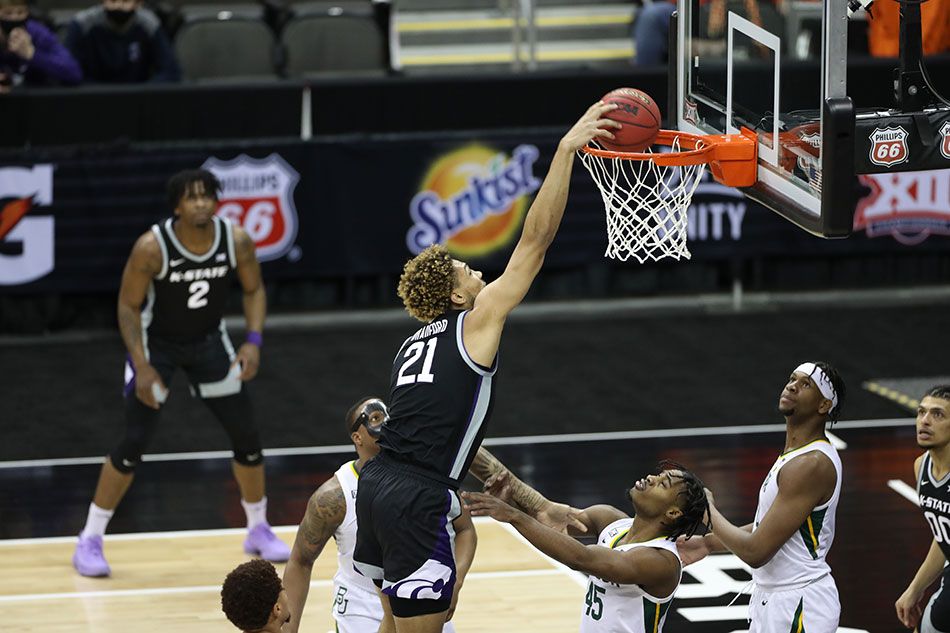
795 591
356 606
613 608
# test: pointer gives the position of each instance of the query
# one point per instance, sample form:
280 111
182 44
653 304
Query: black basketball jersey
186 300
440 400
935 504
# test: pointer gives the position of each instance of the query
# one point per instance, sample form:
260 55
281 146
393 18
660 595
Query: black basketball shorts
405 540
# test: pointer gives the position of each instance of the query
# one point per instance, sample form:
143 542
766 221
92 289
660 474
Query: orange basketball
640 117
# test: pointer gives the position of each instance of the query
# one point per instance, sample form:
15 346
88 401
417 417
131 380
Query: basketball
640 117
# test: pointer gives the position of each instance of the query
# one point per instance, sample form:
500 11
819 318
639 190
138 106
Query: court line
492 441
142 536
559 567
905 490
163 591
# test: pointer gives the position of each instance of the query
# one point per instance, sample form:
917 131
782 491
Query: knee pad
249 457
126 456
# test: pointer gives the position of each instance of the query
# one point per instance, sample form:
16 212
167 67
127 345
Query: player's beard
786 412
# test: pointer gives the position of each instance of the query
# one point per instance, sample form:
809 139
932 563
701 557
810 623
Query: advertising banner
361 208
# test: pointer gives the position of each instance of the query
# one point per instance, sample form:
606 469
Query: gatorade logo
26 237
473 200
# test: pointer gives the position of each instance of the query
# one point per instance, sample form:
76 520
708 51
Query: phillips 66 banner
322 209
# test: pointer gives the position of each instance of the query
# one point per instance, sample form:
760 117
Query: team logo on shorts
473 200
889 146
258 195
945 140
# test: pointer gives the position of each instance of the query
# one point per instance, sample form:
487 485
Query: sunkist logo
472 200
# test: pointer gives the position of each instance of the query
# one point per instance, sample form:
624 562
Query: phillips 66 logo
889 146
258 195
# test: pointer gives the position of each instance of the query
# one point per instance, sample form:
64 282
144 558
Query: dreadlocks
694 505
939 391
837 382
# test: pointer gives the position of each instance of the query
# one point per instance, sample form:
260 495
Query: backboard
781 72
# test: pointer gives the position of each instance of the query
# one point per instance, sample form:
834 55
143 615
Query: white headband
822 380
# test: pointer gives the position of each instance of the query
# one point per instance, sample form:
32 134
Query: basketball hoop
646 194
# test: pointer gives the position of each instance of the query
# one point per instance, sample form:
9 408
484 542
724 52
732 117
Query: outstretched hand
562 517
479 504
590 126
692 549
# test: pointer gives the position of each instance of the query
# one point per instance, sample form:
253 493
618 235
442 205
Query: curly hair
426 284
693 503
179 184
249 594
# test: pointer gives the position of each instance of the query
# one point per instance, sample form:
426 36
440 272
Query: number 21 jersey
440 401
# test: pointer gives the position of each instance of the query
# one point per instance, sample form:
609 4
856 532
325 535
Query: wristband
254 338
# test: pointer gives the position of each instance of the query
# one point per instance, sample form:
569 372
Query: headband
821 379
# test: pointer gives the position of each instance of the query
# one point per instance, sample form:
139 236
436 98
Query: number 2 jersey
440 401
187 298
935 503
613 608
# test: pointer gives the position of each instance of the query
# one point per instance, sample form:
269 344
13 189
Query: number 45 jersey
613 608
935 503
440 401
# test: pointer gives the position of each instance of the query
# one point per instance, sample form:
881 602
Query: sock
256 512
96 521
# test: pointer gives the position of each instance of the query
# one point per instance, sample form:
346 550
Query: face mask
369 408
119 17
7 26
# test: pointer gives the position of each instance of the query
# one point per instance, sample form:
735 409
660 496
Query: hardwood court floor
172 583
162 584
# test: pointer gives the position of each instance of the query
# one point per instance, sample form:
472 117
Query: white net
646 205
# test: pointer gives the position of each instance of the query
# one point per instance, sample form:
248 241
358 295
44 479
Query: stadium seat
225 46
344 38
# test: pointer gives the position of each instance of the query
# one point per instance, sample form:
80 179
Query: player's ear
673 513
356 438
825 406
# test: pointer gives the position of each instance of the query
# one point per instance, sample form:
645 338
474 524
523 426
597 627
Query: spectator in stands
651 32
30 54
120 41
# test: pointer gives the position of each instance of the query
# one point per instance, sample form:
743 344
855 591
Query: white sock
256 512
96 521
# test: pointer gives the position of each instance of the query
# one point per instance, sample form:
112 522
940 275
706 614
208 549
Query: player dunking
795 520
932 470
441 397
182 270
634 568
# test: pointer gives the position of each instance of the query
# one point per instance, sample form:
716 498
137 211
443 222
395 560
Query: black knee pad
236 416
406 608
126 457
245 457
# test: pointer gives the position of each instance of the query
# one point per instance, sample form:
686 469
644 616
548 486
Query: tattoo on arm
485 465
325 512
523 496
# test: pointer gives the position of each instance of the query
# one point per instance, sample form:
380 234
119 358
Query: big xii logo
889 146
26 236
909 206
258 195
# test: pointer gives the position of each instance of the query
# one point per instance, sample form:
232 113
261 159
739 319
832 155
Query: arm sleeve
52 58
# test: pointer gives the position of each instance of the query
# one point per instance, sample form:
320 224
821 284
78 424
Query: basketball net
646 204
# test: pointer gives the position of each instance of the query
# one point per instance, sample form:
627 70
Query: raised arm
482 329
325 512
804 483
655 570
910 606
254 300
143 264
500 482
